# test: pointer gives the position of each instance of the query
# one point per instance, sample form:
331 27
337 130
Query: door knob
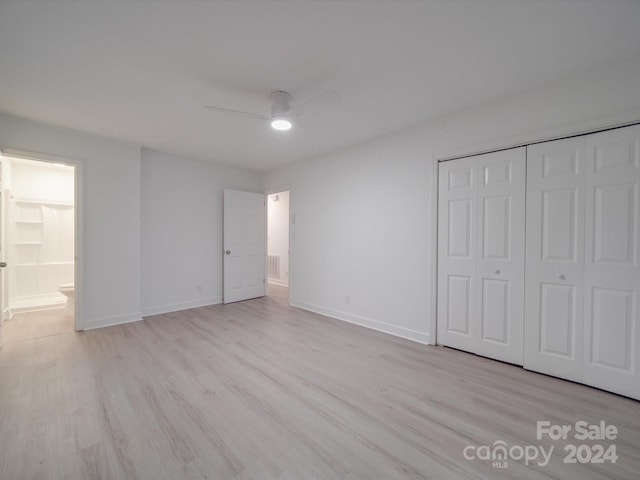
3 264
561 276
228 252
496 271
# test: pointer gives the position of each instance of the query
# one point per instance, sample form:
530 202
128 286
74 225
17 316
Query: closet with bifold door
481 254
565 239
582 273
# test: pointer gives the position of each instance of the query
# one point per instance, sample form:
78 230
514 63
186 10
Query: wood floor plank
37 324
259 390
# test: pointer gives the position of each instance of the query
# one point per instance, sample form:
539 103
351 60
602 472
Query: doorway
278 245
39 248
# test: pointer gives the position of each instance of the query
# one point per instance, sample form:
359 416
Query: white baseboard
275 281
394 330
176 307
35 308
110 321
34 303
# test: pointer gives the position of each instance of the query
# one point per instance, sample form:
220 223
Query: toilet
69 291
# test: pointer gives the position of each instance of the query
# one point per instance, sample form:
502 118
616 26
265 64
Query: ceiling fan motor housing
280 105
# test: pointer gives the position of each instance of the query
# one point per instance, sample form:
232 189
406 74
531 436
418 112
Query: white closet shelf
31 201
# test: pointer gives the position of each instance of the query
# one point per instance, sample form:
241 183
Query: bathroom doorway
39 247
278 245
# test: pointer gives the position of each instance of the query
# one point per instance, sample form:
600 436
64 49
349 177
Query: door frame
433 323
227 200
271 191
78 164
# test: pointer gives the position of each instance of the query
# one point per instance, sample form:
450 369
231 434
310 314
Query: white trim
289 282
35 308
271 191
111 321
406 333
42 202
433 252
19 154
42 301
292 237
176 307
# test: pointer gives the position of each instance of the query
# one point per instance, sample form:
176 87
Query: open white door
2 262
244 243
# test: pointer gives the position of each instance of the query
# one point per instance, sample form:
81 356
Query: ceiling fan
282 113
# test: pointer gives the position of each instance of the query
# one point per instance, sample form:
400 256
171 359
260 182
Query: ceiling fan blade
239 112
305 109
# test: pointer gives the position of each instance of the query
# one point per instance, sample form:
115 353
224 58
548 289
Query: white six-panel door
612 273
457 253
500 253
244 243
582 270
481 254
555 258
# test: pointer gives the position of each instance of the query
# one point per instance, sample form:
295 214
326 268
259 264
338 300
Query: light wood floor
259 390
41 323
279 291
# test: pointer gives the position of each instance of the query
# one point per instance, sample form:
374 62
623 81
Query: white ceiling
141 71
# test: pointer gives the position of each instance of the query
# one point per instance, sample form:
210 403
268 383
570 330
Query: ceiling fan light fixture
281 123
282 115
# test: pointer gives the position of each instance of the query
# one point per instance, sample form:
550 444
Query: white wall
182 229
278 234
361 231
365 217
110 214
